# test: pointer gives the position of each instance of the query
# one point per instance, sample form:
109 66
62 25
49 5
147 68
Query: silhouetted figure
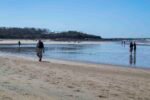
134 46
124 43
19 44
132 58
131 47
40 50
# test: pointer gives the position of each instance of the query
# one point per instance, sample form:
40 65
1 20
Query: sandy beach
27 79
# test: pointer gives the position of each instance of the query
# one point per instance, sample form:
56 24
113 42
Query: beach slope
23 79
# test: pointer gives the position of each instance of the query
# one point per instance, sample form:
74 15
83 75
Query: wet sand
27 79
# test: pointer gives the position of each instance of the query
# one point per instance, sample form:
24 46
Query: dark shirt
134 45
131 45
19 43
40 45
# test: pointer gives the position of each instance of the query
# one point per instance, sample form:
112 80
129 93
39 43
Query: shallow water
106 53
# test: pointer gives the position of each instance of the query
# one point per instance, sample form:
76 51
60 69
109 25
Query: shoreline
73 62
28 79
65 61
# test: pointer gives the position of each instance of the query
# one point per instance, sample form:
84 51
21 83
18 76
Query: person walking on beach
40 50
131 47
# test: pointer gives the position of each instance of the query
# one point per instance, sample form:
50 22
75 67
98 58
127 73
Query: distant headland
38 33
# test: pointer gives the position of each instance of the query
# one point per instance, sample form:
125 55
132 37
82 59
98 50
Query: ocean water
102 53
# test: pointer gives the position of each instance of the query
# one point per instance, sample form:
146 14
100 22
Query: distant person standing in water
132 58
40 50
19 44
134 45
131 47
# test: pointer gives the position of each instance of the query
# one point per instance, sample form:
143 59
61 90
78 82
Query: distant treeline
36 33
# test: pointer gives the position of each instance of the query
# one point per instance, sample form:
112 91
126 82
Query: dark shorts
39 53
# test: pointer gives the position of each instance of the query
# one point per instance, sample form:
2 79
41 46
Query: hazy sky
108 18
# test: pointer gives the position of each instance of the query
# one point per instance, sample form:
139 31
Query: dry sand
23 79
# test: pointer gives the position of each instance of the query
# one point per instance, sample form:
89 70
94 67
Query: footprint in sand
3 64
70 95
6 82
77 90
6 98
102 96
70 86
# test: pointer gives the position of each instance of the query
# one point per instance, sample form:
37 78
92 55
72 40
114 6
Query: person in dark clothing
131 47
19 44
134 46
40 50
132 58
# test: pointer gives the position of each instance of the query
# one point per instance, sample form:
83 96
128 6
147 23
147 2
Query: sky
106 18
